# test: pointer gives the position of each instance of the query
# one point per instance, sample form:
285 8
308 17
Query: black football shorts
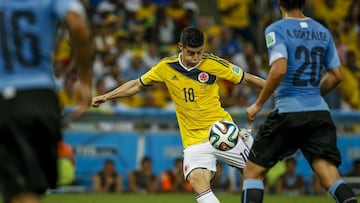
30 127
281 135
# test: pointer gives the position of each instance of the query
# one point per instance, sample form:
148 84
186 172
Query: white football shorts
205 156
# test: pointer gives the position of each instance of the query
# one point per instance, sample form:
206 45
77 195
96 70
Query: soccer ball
223 135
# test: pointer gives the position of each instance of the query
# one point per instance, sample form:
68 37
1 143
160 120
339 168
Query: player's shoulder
170 59
214 59
277 26
318 25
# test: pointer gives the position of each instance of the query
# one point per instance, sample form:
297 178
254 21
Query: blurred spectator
241 97
249 60
59 74
290 183
137 41
123 54
269 10
337 8
354 13
143 180
356 49
176 11
213 43
63 48
191 13
113 78
103 36
348 32
164 31
146 15
160 95
236 15
104 9
103 63
131 7
108 180
137 67
221 181
229 46
173 180
151 55
341 47
68 96
66 164
207 25
350 86
146 10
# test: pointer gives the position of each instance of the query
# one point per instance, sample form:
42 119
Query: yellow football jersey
195 92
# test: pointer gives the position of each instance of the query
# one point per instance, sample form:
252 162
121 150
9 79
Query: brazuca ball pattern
223 135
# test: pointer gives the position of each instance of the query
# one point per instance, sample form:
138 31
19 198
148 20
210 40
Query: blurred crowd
284 179
130 36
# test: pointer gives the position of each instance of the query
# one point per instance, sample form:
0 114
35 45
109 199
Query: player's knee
199 180
254 171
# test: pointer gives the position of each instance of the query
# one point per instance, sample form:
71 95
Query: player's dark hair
292 4
192 37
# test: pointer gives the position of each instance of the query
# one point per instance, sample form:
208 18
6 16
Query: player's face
190 56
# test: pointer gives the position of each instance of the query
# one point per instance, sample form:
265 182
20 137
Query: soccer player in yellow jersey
191 78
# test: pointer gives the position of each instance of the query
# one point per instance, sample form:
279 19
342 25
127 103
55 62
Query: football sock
342 193
207 197
253 191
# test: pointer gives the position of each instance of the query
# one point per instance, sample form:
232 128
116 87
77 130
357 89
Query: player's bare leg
200 182
253 186
332 182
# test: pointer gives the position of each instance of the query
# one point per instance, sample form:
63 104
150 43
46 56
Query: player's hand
96 101
252 111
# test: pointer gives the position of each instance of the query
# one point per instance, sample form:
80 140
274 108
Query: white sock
207 197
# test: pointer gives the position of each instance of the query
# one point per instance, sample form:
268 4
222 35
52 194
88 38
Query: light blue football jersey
308 47
27 38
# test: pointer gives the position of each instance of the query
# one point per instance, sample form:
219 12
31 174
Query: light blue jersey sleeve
64 6
332 58
275 43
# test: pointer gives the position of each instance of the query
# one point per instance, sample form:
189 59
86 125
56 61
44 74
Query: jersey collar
186 68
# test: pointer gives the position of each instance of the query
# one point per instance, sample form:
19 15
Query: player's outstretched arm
129 88
253 80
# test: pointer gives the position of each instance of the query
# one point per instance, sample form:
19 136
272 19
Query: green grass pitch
173 198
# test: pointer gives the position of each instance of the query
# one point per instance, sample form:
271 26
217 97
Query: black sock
252 196
344 194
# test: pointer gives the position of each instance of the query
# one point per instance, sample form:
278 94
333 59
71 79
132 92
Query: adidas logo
174 78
